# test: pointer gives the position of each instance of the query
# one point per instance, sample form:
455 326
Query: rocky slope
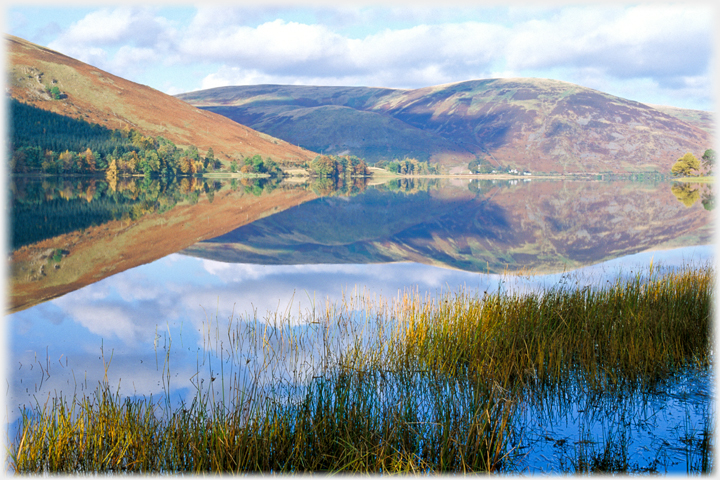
535 124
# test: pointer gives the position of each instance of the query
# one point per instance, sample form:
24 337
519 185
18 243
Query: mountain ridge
535 124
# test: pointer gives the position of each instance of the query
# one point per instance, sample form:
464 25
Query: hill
534 124
95 96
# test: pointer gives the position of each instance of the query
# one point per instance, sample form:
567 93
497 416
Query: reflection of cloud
130 306
196 319
105 320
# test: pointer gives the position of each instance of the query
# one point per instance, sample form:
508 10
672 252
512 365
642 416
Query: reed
631 331
386 386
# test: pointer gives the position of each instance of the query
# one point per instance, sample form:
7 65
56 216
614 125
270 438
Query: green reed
377 385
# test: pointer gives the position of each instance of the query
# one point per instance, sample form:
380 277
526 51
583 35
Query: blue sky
658 53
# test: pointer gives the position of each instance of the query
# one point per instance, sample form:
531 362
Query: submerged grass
410 385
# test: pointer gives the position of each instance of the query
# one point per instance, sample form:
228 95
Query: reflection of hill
141 235
542 226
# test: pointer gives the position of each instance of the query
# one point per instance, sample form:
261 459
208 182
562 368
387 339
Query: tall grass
636 330
409 385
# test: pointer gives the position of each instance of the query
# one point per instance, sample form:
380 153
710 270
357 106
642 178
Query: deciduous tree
686 165
708 159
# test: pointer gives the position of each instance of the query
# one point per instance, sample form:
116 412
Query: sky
657 53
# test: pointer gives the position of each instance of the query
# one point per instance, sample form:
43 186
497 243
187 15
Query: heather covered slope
96 96
535 124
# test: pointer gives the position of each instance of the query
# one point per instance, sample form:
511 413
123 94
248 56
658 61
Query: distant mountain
88 93
535 124
700 118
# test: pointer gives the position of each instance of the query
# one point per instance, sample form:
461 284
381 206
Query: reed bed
374 385
630 331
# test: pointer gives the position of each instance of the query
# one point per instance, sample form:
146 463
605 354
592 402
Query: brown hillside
100 97
546 125
700 118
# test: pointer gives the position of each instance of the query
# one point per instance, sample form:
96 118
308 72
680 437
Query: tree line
43 141
408 166
337 166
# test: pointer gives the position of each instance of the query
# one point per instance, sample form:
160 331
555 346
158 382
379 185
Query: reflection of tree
56 205
708 199
329 186
686 193
689 193
411 185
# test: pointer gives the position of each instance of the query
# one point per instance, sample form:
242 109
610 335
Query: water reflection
156 322
483 226
689 193
70 232
177 297
147 340
581 431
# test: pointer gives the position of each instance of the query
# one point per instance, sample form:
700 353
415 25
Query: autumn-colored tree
185 164
67 159
324 166
686 165
90 160
111 174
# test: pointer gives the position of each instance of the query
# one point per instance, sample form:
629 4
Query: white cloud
642 41
668 46
122 40
107 321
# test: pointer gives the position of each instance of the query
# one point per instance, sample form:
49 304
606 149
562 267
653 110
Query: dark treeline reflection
48 206
44 207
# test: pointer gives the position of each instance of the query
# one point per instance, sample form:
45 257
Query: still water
144 286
